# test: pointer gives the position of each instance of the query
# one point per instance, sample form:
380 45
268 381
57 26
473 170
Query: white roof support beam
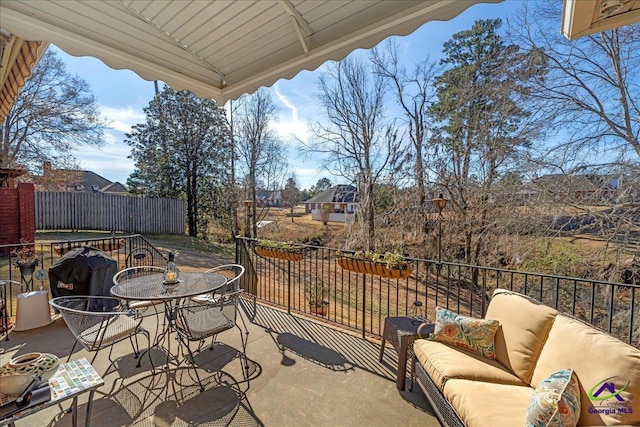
298 21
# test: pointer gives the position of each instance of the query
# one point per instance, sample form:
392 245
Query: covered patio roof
584 17
222 49
219 49
17 59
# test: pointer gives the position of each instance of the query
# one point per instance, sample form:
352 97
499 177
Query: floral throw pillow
556 401
466 332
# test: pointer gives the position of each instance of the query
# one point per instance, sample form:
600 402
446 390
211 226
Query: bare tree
355 141
53 114
592 87
262 155
591 101
414 92
325 215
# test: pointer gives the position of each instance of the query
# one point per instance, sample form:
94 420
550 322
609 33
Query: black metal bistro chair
100 322
140 305
199 318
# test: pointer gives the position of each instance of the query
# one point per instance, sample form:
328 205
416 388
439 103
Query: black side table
401 332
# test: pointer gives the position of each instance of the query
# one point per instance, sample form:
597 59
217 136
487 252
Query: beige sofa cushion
480 404
595 357
524 325
445 361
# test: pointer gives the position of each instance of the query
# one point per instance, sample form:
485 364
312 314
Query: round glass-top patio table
149 287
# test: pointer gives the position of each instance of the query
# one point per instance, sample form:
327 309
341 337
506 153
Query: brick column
26 200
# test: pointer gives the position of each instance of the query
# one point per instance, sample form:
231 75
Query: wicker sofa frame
443 411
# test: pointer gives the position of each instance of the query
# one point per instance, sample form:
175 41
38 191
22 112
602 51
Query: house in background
587 188
73 180
341 200
269 198
114 188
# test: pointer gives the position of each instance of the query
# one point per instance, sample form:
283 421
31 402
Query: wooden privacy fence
111 212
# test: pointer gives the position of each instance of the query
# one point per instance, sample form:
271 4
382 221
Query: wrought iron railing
120 248
361 301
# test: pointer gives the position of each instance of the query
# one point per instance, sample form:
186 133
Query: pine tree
183 150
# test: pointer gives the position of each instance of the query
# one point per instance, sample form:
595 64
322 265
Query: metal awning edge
19 57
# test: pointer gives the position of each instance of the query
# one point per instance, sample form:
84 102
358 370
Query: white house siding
316 214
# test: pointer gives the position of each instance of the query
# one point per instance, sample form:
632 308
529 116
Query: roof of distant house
114 187
337 194
92 181
587 182
265 194
73 180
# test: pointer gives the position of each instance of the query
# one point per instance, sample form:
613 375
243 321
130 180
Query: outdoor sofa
534 347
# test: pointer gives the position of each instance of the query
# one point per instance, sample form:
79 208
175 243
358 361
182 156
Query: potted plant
25 258
391 265
281 250
317 294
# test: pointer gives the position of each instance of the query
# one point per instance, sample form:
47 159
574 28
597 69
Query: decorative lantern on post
249 213
440 203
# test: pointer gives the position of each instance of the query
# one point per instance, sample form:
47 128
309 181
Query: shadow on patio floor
301 373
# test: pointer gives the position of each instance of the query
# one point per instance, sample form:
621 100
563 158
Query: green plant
391 260
316 291
272 244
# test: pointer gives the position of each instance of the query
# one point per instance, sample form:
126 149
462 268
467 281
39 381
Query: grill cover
83 271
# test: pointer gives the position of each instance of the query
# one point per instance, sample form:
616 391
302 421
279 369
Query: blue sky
122 95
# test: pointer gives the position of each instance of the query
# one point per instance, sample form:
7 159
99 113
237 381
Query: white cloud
122 119
291 127
109 138
289 131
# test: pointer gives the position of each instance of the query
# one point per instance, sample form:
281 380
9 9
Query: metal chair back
137 271
138 257
100 322
233 273
198 318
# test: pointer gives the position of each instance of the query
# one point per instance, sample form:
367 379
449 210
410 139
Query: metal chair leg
193 364
72 348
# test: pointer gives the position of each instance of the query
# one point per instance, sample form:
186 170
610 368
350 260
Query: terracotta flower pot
376 268
321 309
280 253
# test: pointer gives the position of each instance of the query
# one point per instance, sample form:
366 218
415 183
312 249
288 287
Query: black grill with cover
84 271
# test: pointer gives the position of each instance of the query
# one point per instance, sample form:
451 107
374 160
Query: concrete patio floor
302 373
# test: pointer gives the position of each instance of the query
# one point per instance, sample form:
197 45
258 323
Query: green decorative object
40 274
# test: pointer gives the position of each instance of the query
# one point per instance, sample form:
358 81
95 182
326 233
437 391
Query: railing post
484 292
288 286
364 303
